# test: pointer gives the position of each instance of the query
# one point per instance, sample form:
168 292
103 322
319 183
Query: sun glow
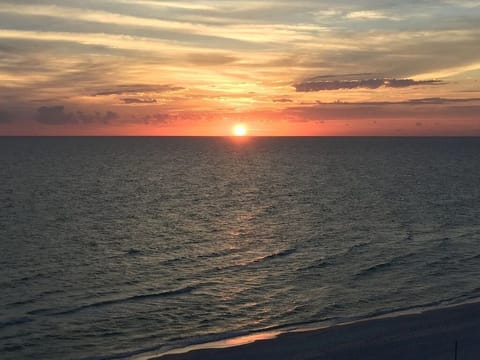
239 130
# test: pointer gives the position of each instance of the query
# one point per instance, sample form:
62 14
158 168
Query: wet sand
428 335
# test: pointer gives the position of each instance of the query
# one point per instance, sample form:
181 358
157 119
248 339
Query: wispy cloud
250 33
370 15
211 59
139 101
137 88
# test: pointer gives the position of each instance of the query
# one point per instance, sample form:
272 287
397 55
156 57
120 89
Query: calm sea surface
111 247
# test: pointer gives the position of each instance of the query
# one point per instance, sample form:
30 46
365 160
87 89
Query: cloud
324 85
137 88
5 117
421 101
110 115
96 117
384 111
401 83
159 118
211 59
438 101
353 76
282 100
369 15
54 115
138 101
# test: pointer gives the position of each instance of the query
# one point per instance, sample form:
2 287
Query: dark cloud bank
56 115
5 117
440 109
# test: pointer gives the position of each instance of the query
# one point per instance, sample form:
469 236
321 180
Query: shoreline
428 332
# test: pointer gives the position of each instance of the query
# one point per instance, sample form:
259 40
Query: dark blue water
113 247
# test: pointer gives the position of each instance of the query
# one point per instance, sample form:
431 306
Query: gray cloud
282 100
138 101
54 115
159 118
422 101
96 117
438 101
110 115
137 88
211 59
324 85
5 117
382 111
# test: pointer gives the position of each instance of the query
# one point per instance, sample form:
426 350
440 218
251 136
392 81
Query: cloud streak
139 101
328 85
136 89
413 102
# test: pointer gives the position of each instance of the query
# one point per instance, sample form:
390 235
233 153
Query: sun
239 130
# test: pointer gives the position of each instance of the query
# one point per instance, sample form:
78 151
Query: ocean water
115 247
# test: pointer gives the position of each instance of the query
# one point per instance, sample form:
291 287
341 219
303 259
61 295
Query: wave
473 257
441 261
329 260
376 267
469 297
220 253
38 311
12 283
318 264
133 251
204 341
15 321
188 259
260 259
257 260
277 254
312 325
355 247
134 298
35 298
383 265
155 350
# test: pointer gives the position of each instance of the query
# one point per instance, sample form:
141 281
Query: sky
281 67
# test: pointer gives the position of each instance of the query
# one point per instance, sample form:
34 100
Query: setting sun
239 130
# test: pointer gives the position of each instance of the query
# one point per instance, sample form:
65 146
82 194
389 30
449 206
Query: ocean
117 247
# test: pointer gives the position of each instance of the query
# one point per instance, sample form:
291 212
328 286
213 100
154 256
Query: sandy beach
428 335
